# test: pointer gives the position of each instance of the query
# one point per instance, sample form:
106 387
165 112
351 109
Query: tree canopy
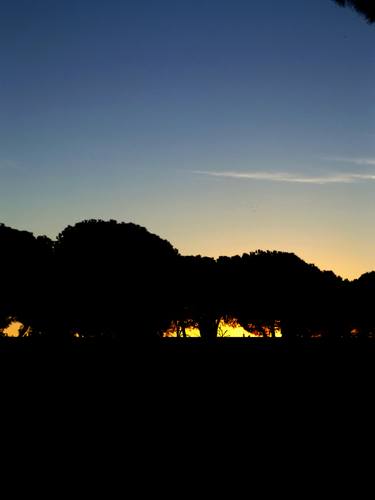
109 279
112 277
26 278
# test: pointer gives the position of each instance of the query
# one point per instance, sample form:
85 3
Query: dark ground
173 361
178 395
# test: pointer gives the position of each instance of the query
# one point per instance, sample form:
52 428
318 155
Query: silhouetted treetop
116 277
365 7
113 238
24 271
117 280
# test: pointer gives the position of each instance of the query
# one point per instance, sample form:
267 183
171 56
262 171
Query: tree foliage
105 279
114 277
26 278
364 7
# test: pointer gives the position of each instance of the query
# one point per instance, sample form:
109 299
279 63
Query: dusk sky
224 126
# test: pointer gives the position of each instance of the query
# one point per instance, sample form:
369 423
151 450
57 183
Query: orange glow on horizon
224 330
13 329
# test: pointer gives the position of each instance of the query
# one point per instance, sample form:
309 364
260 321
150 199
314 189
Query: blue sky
223 126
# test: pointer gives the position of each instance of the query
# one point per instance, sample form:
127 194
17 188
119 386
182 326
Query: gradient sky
224 126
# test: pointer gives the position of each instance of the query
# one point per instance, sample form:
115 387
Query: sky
224 126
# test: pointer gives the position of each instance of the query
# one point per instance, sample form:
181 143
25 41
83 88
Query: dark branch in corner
365 7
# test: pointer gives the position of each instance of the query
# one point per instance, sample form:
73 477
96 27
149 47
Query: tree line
105 279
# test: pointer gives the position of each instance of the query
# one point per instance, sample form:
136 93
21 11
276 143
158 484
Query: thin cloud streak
355 161
339 178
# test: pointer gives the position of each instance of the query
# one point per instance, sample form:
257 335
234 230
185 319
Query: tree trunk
208 328
289 329
273 333
23 330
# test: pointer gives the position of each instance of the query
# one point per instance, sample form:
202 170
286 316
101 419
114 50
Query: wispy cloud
336 178
352 160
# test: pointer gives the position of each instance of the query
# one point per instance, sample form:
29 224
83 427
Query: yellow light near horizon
13 329
224 330
227 330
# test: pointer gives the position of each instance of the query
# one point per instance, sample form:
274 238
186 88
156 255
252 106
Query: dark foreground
169 360
174 385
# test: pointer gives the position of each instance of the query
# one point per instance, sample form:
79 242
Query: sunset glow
224 330
223 127
13 329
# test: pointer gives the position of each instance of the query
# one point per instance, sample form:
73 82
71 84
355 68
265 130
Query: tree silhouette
365 7
200 295
115 279
284 289
277 286
362 297
25 277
